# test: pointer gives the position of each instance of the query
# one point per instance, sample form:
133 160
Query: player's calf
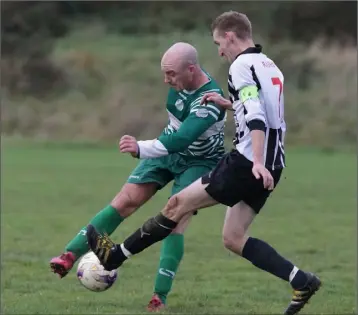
153 230
130 198
157 228
113 255
171 254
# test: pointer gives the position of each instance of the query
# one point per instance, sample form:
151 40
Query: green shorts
182 170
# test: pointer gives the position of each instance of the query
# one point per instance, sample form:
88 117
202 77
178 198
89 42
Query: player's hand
128 144
259 170
217 99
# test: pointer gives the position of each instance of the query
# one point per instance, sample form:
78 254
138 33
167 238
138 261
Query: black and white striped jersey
255 87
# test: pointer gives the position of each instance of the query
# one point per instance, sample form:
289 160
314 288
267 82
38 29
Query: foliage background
90 70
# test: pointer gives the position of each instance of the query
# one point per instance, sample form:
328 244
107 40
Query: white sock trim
293 273
125 251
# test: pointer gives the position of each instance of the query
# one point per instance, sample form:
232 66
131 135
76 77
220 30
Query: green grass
51 191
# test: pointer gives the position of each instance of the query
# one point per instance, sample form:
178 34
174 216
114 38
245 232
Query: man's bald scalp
181 53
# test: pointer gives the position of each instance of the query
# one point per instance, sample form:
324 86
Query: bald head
180 55
181 67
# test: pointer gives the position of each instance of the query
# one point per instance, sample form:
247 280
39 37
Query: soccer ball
92 274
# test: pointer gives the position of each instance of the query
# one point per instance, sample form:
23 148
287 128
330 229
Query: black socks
263 256
152 231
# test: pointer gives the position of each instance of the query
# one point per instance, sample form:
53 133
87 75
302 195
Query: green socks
172 252
107 220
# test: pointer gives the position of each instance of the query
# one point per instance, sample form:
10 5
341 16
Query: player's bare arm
259 169
255 118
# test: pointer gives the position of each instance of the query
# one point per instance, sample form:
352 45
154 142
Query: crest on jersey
179 104
202 112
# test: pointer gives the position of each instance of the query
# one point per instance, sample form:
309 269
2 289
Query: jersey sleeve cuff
151 149
256 124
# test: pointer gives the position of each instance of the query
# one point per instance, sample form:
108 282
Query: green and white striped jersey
194 130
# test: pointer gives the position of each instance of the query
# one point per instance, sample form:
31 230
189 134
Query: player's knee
124 204
174 208
170 207
234 240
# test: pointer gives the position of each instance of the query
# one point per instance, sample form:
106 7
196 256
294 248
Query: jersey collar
251 50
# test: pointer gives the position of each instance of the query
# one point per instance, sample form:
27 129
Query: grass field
51 191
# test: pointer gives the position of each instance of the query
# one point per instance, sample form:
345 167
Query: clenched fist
128 144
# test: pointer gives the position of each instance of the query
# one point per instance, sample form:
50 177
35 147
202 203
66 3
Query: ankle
71 255
162 297
298 279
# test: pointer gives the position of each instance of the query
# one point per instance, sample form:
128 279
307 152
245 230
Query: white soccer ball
92 274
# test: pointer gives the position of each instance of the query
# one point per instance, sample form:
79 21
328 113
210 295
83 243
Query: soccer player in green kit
188 148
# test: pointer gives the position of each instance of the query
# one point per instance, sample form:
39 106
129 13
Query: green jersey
193 130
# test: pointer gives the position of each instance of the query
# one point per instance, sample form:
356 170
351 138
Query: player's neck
200 79
243 45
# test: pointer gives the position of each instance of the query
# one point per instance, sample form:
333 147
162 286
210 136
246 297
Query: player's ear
229 36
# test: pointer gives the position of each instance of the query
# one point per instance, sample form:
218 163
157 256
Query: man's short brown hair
233 21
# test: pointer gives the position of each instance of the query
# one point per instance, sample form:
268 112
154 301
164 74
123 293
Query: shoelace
104 246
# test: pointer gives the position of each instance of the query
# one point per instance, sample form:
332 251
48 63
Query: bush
116 87
28 31
30 28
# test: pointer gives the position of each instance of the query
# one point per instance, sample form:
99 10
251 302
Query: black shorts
232 181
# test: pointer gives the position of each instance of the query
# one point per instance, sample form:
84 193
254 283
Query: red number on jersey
277 81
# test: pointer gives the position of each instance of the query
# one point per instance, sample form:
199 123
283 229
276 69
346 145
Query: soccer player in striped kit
244 178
